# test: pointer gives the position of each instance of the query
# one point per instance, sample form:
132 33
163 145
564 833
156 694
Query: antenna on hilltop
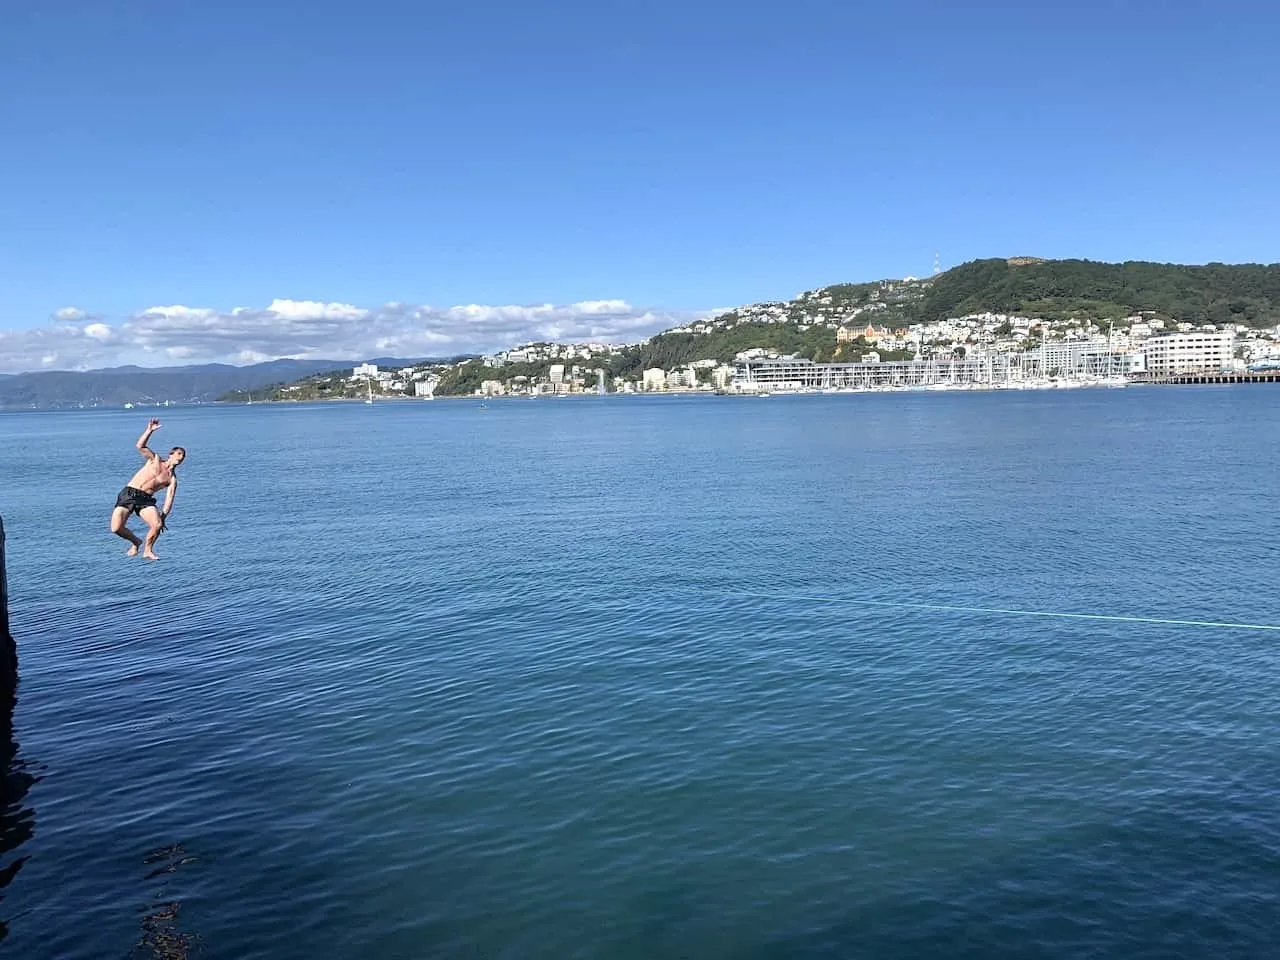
936 268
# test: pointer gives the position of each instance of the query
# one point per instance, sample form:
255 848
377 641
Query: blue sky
648 161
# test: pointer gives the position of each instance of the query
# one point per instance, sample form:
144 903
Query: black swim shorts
134 499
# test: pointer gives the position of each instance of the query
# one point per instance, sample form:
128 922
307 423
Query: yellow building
872 334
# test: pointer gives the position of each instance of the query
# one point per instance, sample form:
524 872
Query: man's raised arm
143 449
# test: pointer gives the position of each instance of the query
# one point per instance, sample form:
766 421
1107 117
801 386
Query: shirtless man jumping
138 496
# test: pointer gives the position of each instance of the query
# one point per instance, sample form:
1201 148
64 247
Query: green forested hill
1061 289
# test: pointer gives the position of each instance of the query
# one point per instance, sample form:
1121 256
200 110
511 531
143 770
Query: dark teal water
566 679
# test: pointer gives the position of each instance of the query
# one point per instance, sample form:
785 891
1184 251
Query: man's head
176 456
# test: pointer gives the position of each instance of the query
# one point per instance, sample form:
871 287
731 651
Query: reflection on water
161 938
17 819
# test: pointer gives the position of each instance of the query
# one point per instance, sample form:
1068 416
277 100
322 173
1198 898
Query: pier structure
1226 376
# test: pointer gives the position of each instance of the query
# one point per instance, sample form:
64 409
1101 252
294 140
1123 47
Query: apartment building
1194 352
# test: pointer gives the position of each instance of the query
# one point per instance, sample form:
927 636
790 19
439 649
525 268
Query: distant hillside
1247 294
1027 286
116 386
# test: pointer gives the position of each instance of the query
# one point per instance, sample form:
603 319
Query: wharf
1255 376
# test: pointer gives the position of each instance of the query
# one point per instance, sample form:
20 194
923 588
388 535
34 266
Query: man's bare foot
132 551
150 555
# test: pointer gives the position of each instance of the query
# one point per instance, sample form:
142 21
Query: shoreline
761 390
764 389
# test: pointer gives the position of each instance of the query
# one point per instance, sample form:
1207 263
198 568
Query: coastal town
868 351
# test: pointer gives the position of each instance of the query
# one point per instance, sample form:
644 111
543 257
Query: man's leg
119 526
151 517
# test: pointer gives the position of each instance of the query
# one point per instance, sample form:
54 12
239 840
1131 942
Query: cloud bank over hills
76 339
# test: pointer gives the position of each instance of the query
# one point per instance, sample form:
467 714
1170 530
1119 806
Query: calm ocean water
568 678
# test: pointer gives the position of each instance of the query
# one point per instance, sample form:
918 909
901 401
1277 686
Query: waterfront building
1077 358
798 374
1195 352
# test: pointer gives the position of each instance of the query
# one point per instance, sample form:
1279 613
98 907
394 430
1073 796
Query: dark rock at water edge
8 650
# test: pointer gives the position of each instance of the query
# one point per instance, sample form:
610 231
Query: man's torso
155 475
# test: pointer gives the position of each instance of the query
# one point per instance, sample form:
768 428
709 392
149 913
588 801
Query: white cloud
178 313
79 340
300 309
601 306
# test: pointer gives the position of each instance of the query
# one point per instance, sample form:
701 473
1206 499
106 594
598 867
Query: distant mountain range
200 383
